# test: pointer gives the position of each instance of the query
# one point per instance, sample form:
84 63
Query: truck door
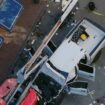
85 71
78 87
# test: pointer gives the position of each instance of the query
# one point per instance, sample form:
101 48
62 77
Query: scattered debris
39 23
47 5
49 11
98 13
92 7
18 35
10 12
68 26
94 102
91 93
101 100
77 8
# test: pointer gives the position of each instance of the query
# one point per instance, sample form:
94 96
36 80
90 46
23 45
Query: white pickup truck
60 71
71 59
